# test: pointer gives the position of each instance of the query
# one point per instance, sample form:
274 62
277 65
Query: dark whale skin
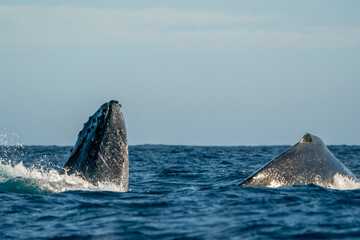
307 162
100 154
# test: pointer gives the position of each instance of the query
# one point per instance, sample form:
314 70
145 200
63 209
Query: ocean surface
175 192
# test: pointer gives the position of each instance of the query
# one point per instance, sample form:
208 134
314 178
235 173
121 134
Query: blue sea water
175 192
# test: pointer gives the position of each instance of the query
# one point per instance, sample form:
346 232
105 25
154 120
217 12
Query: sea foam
14 177
344 183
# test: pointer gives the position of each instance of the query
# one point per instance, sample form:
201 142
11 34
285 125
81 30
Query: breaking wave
21 179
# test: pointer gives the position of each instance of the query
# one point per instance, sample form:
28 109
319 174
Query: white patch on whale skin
275 184
340 182
259 176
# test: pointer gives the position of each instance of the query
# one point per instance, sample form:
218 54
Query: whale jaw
101 151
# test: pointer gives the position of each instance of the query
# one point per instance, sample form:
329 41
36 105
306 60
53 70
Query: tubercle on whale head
97 120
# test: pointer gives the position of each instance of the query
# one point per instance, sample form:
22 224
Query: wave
31 180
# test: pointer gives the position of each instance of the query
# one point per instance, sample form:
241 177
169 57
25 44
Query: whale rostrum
101 150
307 162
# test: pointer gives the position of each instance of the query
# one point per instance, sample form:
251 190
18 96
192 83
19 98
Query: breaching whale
101 150
307 162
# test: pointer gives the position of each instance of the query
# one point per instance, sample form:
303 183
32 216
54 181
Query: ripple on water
175 192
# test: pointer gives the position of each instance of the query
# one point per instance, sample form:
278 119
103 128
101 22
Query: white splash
50 180
10 139
344 183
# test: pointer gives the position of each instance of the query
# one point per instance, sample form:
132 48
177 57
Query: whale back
101 150
307 162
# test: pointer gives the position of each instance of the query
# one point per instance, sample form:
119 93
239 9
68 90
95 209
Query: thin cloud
22 26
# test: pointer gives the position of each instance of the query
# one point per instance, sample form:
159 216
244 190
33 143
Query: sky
186 72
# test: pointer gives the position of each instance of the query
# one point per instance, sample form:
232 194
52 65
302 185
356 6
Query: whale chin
307 162
100 154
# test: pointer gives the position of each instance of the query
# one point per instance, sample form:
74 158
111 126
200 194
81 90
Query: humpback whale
101 150
307 162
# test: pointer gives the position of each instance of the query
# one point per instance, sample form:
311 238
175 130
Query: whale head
101 151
